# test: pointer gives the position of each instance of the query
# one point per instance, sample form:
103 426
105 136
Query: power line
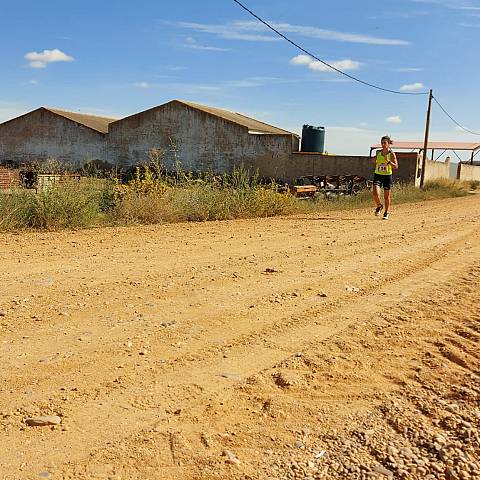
452 119
322 61
346 74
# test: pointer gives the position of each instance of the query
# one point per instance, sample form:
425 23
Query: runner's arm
393 160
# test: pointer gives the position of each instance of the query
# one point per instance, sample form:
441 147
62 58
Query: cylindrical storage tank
313 139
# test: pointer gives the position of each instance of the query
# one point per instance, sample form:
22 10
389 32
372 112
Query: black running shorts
384 181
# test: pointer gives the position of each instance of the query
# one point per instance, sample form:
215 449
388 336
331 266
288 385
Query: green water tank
313 139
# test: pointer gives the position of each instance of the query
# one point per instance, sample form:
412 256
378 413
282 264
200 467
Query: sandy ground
324 346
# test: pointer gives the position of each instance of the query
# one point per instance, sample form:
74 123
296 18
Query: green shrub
51 209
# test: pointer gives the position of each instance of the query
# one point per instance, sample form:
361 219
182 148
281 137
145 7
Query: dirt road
334 346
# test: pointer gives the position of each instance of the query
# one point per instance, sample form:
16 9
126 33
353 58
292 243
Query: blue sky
119 57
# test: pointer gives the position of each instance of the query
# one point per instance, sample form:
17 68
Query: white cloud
408 69
200 88
33 82
206 47
42 59
344 65
317 66
455 4
248 83
323 34
469 25
335 80
188 88
228 32
192 43
397 15
175 68
301 60
252 82
142 85
192 88
412 87
256 31
393 119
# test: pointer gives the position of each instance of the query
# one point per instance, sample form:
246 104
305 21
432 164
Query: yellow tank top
381 167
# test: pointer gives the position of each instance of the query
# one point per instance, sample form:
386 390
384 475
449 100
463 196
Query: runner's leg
376 195
386 196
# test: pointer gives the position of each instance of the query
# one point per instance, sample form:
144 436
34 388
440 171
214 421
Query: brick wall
301 163
9 178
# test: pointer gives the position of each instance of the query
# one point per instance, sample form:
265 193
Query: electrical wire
322 61
348 75
452 119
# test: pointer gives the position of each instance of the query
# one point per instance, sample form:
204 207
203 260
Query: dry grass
153 199
55 208
150 198
401 193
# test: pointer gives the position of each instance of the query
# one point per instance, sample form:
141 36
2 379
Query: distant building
50 133
200 138
195 137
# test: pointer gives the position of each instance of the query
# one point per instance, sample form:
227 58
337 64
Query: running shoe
378 210
386 216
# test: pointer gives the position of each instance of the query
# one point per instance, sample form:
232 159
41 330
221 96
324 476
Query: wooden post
425 143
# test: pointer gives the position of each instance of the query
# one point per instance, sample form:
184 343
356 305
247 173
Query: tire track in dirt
194 431
251 348
196 349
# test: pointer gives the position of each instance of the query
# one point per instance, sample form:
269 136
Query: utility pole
425 143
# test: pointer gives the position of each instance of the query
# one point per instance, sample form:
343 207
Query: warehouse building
45 133
188 136
199 138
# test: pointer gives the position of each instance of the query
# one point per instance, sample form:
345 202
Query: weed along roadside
151 197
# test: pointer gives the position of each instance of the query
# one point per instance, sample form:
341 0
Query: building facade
67 137
196 137
180 135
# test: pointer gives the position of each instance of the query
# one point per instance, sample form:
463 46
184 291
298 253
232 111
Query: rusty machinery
330 186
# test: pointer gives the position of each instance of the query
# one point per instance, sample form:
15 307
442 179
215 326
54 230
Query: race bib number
383 167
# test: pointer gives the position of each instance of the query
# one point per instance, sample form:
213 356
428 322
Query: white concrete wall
468 172
39 135
436 170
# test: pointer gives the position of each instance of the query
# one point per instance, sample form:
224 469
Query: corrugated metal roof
100 124
254 126
433 145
